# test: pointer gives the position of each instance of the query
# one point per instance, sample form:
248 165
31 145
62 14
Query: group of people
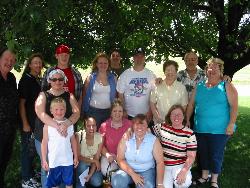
189 112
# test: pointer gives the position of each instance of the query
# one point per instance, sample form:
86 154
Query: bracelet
159 184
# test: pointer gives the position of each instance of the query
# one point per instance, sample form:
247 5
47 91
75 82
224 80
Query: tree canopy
215 28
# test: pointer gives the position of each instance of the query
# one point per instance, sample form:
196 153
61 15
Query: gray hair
57 71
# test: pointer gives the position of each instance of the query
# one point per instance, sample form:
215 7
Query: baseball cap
139 51
62 49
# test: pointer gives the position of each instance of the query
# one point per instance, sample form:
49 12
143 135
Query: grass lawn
235 174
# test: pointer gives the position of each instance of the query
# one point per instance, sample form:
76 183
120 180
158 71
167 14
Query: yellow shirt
89 151
165 96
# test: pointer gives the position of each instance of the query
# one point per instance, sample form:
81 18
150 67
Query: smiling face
115 58
140 128
170 73
117 114
139 59
36 66
58 110
7 61
63 60
102 64
177 117
57 81
90 126
191 61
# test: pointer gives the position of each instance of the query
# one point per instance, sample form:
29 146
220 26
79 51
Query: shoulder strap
81 137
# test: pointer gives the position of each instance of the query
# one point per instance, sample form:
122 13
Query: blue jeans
121 179
100 115
27 155
43 172
95 180
211 151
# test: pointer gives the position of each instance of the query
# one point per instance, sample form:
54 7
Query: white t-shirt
136 88
100 96
59 148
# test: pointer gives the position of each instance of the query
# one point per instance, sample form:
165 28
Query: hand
230 129
158 81
188 123
87 178
128 134
227 78
26 128
76 162
181 177
110 157
138 179
62 129
149 116
45 166
97 164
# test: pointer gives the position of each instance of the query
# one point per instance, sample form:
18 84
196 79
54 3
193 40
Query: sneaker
28 184
35 182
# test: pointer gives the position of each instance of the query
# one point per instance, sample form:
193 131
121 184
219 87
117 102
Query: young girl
89 150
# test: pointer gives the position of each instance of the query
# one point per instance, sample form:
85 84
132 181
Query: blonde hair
58 100
95 60
218 61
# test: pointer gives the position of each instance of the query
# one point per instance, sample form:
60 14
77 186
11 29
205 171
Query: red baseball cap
62 49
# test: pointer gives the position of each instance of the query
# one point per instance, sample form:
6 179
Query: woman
29 88
99 90
137 156
167 93
56 79
215 104
112 131
89 151
8 109
179 148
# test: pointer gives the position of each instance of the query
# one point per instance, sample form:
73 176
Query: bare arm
190 107
75 110
160 167
155 112
232 96
44 146
40 111
74 149
22 111
138 180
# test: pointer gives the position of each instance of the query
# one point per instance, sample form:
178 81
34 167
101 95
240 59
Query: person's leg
120 179
26 159
67 175
97 179
188 181
6 146
80 169
168 180
149 178
43 172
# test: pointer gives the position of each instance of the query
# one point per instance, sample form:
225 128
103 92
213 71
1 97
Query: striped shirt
175 143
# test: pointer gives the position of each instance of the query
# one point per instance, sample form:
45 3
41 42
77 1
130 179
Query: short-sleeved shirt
136 87
189 83
89 151
175 143
165 96
29 88
59 147
8 103
113 136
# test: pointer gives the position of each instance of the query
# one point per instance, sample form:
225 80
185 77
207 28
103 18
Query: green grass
235 174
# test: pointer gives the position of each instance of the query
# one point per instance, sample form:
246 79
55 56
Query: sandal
200 181
212 182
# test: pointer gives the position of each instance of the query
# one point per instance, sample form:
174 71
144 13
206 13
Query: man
74 82
8 110
116 66
134 86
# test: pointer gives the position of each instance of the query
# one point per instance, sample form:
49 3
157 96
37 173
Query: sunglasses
55 79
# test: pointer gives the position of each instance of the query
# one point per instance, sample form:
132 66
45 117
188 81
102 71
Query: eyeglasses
55 79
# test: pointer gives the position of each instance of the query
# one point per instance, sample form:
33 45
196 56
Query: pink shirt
111 135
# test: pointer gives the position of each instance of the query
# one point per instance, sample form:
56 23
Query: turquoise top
212 110
142 159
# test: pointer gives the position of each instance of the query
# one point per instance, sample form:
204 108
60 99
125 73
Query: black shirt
8 102
29 88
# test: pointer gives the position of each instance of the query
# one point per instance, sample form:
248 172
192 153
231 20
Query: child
60 155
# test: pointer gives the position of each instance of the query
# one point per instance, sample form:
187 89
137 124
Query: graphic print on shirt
137 87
